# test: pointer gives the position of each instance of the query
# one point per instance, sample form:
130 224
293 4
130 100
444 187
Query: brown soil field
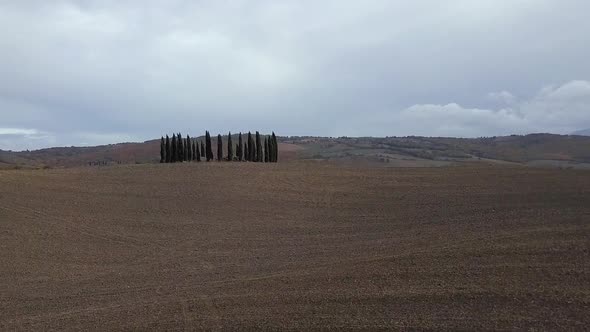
304 246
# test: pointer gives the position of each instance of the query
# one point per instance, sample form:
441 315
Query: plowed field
294 246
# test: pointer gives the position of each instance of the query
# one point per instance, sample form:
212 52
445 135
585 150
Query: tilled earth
223 246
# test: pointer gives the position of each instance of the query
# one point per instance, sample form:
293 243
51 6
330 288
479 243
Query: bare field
294 246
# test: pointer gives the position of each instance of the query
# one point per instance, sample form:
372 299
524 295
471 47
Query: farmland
297 245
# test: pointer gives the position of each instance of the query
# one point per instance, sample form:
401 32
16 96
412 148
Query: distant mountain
584 132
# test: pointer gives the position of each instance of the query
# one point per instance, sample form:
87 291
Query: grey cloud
136 69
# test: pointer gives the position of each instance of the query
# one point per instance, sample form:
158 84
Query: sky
104 71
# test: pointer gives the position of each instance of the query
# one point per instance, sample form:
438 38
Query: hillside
535 150
585 132
125 153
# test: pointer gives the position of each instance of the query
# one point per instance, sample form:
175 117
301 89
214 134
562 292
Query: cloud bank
556 109
94 72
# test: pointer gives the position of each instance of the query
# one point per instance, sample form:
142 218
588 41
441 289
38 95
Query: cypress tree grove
239 147
266 150
168 151
219 148
209 152
202 149
174 147
197 152
258 148
162 150
230 148
251 151
189 149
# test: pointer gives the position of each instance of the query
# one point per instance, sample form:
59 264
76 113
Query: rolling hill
584 132
534 150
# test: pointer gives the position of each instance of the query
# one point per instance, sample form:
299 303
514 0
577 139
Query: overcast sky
101 71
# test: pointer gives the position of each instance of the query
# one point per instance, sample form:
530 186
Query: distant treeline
179 149
102 162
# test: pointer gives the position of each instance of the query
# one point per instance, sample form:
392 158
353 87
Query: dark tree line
254 149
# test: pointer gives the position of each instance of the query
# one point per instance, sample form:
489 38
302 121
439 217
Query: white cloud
24 139
555 109
18 131
89 139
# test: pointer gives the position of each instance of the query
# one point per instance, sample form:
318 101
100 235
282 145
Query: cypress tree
275 146
197 152
247 149
185 145
271 150
179 141
266 150
168 151
189 148
250 147
179 148
230 148
258 148
210 148
194 152
176 152
174 147
219 148
184 150
239 147
208 152
162 150
253 152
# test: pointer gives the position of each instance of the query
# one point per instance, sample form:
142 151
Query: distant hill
112 154
585 132
145 152
535 149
